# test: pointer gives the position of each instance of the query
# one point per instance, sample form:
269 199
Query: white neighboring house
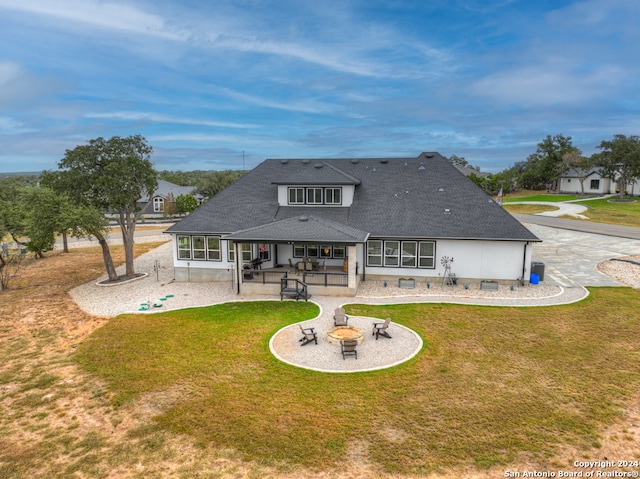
593 183
155 207
332 223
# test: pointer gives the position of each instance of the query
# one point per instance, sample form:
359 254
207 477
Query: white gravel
127 298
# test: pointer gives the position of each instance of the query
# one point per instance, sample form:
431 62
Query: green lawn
492 385
543 197
612 212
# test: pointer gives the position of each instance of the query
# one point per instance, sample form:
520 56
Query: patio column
351 271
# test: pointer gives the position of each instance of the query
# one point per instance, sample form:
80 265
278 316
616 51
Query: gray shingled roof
301 229
322 173
423 197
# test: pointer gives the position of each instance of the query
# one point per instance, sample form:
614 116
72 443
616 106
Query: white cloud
152 117
115 16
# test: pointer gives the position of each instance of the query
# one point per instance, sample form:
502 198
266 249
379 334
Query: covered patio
317 252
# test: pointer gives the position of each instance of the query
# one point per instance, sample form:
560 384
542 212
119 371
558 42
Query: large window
314 195
426 254
333 196
264 252
184 247
409 254
595 184
213 248
401 254
391 253
199 247
374 253
318 251
296 196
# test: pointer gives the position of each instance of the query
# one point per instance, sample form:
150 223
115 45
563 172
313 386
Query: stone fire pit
343 333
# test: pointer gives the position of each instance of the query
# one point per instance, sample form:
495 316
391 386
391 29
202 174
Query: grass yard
612 212
196 393
537 196
528 209
494 386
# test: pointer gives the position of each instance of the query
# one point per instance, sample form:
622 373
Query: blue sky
209 83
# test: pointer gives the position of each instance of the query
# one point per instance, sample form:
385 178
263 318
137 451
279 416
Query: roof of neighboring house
422 197
578 173
166 188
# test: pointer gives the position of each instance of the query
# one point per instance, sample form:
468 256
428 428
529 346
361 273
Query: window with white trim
333 196
231 252
374 253
245 251
314 196
184 247
339 252
158 204
296 196
403 254
197 247
325 251
299 251
213 248
426 254
409 254
392 253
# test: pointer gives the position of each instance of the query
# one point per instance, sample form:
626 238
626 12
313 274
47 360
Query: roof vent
304 218
421 167
355 161
429 155
317 165
384 161
441 189
284 162
447 211
306 162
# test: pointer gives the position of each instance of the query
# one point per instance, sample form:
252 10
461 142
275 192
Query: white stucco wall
499 260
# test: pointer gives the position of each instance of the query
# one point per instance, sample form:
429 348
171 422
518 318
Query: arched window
158 204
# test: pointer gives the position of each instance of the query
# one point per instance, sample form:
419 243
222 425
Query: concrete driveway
570 257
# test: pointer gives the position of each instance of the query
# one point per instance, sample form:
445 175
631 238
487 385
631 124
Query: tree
216 181
545 166
110 176
186 204
11 215
619 160
460 161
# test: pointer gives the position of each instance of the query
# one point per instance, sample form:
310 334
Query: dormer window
314 195
296 196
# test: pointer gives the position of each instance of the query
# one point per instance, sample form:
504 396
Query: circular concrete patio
327 357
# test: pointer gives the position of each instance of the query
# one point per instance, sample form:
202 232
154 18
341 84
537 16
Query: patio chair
348 347
308 335
380 329
339 318
290 263
300 266
309 266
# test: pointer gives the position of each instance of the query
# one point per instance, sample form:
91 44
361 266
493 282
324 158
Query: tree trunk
108 261
65 243
128 225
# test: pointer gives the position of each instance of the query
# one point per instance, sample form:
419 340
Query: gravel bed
623 270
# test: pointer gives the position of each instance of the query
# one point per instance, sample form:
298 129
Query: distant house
332 223
585 181
593 183
155 206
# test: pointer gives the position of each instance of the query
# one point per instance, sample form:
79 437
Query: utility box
538 268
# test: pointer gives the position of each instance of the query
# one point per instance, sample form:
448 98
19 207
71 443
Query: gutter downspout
524 261
238 269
